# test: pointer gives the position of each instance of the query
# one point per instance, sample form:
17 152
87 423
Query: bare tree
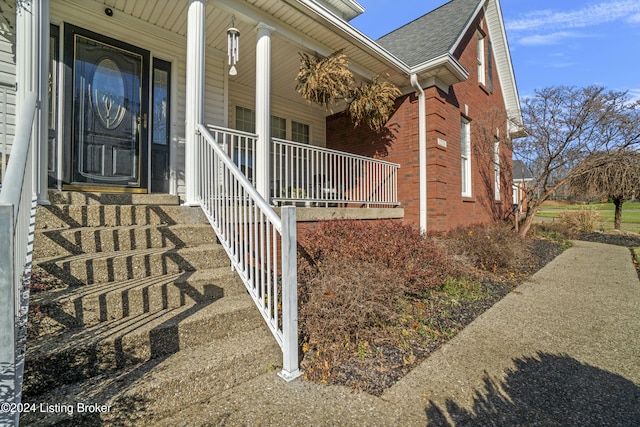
492 150
616 177
564 126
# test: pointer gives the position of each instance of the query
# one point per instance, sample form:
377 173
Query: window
300 132
496 168
278 127
490 66
481 64
245 120
465 149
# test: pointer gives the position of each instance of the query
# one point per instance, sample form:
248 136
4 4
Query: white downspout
422 153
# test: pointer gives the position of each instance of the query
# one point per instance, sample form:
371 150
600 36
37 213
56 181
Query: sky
552 42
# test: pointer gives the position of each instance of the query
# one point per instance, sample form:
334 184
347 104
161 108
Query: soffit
295 24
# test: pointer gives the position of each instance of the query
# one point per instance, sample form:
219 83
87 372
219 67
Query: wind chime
233 46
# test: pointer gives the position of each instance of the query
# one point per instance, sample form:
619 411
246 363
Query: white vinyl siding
465 156
7 80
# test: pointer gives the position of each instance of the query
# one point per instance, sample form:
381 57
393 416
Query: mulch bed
389 363
612 238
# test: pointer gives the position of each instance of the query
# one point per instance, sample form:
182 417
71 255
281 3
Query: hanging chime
233 47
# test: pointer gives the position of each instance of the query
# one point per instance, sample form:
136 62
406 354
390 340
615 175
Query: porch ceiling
298 28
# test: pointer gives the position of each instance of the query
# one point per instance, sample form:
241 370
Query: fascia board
355 34
446 60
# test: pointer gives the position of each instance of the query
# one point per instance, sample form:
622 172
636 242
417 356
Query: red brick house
107 101
461 70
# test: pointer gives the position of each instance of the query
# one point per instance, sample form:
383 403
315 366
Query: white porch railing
261 245
306 173
239 146
17 219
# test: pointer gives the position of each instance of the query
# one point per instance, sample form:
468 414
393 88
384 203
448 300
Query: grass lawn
630 213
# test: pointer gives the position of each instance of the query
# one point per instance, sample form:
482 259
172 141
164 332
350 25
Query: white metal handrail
261 245
17 218
239 146
303 172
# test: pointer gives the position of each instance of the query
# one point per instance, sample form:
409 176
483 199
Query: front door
110 111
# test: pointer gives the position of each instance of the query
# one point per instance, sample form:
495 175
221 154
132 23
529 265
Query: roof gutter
446 60
422 152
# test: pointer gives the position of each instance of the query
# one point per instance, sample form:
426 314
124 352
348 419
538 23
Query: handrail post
290 366
8 381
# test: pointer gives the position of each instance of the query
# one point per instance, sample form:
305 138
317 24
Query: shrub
584 220
489 248
348 305
418 261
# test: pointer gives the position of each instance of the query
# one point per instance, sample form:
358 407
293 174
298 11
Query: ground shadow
547 390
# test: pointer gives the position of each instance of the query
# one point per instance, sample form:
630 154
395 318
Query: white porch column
32 75
41 130
263 109
194 111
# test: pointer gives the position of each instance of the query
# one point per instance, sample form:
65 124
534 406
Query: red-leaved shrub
417 260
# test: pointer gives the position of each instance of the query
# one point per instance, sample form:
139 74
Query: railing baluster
249 229
331 176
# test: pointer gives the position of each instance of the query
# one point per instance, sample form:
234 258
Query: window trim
496 170
482 72
465 156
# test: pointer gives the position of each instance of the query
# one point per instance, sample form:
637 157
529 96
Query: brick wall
446 208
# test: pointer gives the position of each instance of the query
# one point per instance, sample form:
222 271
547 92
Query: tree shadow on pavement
547 390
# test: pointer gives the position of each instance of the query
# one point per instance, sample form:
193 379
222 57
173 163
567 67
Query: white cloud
600 13
548 39
634 94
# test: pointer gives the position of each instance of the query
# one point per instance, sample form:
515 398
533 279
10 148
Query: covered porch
269 130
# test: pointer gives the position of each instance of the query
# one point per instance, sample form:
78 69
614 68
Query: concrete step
96 198
148 392
70 216
76 355
75 307
72 241
119 266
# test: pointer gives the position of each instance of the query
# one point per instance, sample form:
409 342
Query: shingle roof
432 35
520 172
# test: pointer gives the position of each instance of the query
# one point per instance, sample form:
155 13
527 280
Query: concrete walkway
562 349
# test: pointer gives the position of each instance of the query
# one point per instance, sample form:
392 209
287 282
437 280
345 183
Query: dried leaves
373 103
324 80
327 81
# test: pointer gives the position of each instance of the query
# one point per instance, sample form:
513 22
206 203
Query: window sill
468 199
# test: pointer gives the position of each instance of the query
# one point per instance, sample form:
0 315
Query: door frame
69 126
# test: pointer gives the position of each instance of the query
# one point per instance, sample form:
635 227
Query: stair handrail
249 230
17 216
